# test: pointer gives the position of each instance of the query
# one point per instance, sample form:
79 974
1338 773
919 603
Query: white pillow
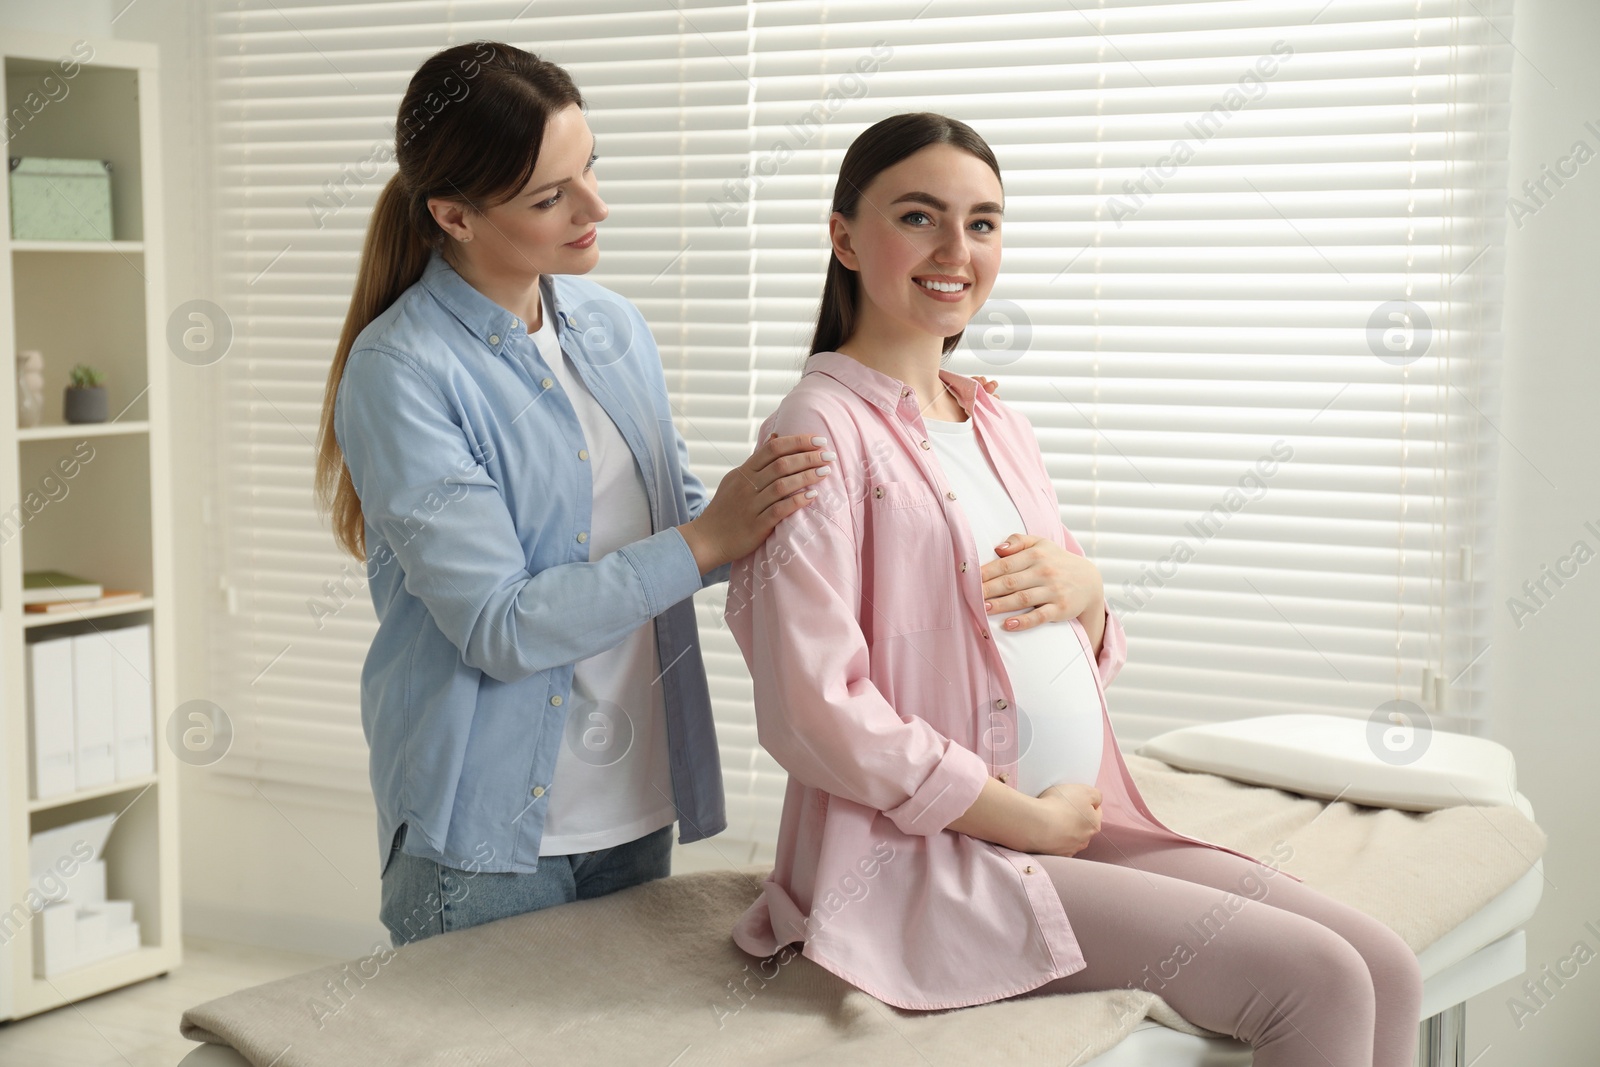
1371 763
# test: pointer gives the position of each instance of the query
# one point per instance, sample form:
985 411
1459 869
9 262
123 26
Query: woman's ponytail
392 259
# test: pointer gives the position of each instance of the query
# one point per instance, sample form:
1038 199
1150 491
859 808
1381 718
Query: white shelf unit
102 303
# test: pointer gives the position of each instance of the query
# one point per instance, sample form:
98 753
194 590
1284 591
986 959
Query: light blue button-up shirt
476 490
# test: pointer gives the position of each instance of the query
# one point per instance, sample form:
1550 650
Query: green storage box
60 199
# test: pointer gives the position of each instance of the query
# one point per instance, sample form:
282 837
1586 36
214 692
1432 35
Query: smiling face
925 243
533 233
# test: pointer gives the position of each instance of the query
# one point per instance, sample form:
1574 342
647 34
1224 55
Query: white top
612 782
1058 703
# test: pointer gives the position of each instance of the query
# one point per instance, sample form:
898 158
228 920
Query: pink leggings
1240 949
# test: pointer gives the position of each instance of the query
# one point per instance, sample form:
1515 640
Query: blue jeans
421 898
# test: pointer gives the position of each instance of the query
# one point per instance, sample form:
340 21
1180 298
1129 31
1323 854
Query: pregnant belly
1058 704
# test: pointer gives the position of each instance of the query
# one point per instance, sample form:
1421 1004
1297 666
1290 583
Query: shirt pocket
911 587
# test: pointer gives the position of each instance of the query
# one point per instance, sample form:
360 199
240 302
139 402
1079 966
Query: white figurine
30 387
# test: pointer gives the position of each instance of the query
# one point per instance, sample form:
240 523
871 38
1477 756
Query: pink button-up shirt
879 689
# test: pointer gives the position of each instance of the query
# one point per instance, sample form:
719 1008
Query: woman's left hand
1038 573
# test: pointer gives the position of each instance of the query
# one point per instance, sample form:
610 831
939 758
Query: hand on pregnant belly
1071 817
1035 572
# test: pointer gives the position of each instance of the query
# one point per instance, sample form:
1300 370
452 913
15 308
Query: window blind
1249 301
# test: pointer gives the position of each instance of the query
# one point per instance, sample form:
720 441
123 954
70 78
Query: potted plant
86 396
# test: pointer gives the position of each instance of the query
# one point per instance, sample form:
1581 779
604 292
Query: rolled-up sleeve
792 607
1114 643
429 496
1113 648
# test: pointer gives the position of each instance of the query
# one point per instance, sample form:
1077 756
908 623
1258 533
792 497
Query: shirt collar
488 321
891 393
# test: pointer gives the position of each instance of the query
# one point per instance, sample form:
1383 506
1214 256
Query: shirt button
515 323
986 635
924 444
1003 776
963 566
1028 869
951 495
494 338
1000 704
583 536
547 383
905 392
583 453
538 791
877 491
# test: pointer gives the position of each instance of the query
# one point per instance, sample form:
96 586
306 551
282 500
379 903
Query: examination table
1441 847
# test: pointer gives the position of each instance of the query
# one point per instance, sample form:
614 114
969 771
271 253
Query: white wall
297 877
82 18
1546 687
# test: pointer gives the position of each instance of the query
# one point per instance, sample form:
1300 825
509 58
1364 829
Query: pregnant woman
959 825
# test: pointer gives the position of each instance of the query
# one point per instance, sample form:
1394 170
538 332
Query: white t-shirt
1058 704
612 782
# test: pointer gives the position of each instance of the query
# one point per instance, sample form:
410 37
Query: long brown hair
877 148
469 129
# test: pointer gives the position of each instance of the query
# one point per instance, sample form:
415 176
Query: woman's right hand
754 497
1070 816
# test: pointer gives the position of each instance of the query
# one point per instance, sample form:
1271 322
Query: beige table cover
650 975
